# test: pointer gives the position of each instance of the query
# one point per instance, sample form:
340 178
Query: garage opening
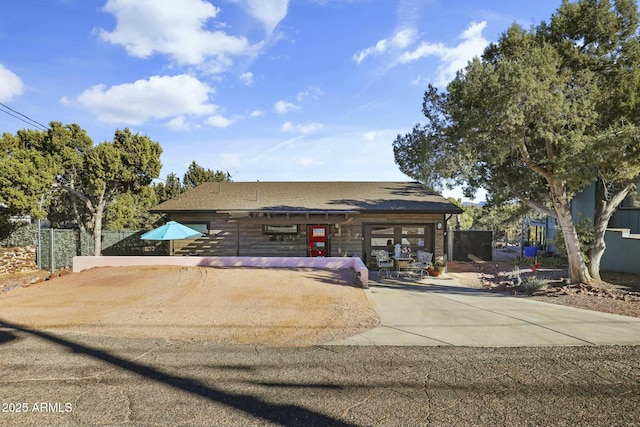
417 237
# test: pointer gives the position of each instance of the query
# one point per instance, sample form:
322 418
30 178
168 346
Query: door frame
327 239
429 236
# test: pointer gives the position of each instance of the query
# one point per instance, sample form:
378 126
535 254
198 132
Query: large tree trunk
578 271
97 226
80 220
606 205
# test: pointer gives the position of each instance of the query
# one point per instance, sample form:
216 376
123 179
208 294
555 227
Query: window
385 231
198 226
379 241
418 237
413 237
280 229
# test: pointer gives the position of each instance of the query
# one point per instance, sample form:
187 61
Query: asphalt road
66 379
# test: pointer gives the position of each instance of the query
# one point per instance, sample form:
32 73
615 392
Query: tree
26 178
197 175
62 169
124 165
67 146
130 210
525 120
169 189
464 220
504 219
604 38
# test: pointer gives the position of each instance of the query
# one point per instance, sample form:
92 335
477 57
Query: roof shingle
326 196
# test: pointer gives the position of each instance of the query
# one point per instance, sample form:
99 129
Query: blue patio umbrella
171 231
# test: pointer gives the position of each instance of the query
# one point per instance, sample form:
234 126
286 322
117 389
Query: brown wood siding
230 238
221 240
254 243
346 239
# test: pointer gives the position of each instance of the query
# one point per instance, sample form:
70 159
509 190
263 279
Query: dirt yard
617 293
262 306
234 305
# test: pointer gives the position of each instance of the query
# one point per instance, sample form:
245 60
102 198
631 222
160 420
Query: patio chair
424 258
422 262
384 262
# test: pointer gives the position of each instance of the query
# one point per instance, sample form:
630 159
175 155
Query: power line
20 118
28 120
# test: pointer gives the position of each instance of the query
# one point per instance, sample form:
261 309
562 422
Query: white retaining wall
331 263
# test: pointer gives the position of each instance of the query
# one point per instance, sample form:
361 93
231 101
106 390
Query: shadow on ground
285 415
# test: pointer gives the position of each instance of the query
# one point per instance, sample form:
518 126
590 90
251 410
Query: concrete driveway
442 312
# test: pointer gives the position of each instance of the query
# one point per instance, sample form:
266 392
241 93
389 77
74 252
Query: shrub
534 285
556 261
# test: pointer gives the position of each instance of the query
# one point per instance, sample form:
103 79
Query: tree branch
69 189
527 159
527 201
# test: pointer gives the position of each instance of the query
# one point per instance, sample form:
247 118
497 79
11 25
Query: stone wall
17 259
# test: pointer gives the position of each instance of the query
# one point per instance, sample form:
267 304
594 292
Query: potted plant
430 268
440 265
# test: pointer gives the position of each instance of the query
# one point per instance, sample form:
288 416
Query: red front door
318 240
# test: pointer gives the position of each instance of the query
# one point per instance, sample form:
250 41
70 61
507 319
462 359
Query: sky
269 90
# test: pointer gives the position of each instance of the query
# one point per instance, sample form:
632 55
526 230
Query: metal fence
465 245
57 247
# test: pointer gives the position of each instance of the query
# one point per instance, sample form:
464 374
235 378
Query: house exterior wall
583 204
234 237
622 252
622 238
628 213
626 218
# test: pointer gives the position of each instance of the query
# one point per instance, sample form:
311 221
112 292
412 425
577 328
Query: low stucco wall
332 263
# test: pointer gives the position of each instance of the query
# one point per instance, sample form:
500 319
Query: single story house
301 219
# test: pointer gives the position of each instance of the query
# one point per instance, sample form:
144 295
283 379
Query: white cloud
179 123
268 12
247 78
453 58
283 107
308 161
303 129
313 92
160 97
11 84
372 136
404 38
218 121
401 40
425 49
257 113
176 29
